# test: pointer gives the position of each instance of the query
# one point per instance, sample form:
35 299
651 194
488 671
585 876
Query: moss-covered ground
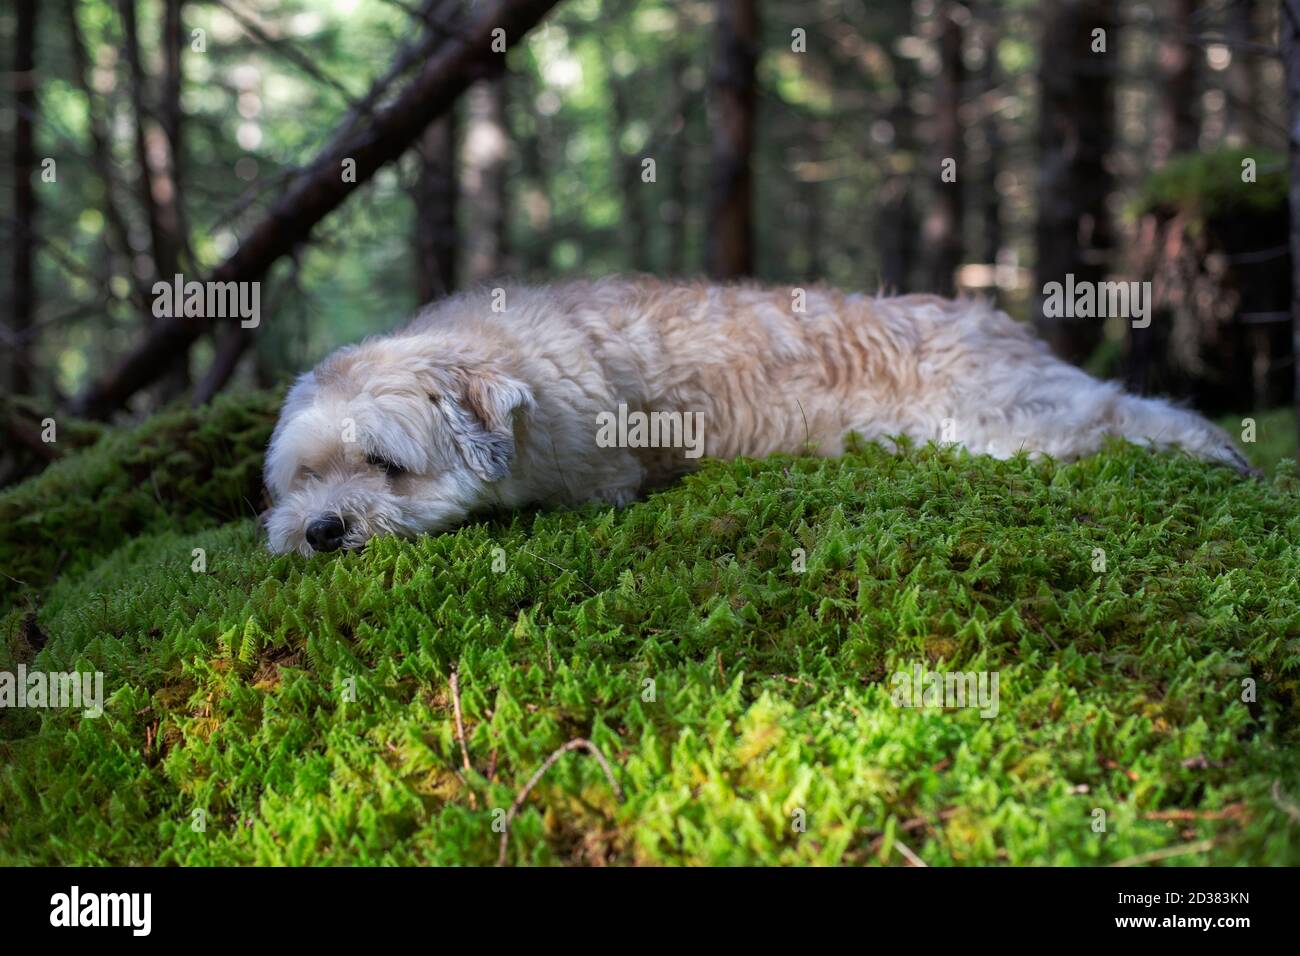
729 645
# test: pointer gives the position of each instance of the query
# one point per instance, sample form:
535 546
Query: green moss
303 706
182 469
1209 185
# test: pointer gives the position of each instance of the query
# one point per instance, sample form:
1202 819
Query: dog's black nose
326 534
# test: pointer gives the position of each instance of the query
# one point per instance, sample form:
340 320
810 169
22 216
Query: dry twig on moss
577 743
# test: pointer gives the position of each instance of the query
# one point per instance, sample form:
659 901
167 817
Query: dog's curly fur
471 407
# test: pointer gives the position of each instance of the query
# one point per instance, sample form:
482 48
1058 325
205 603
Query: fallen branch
576 743
321 189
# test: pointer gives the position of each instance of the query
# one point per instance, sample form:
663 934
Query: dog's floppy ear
482 417
281 462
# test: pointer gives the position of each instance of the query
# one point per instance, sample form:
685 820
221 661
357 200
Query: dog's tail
1161 424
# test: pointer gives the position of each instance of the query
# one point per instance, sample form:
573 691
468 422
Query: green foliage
1210 185
594 91
1120 690
1273 447
182 469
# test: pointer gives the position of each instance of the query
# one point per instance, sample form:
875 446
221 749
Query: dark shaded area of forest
357 158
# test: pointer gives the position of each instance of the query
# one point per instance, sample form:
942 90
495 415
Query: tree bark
990 200
168 190
943 222
730 245
627 176
674 211
162 250
157 188
1179 127
171 117
24 227
321 188
1289 42
1076 133
896 227
1243 81
435 196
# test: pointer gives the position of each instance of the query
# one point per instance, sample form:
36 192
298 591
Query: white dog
591 391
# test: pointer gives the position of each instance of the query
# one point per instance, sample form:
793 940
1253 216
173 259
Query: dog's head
384 438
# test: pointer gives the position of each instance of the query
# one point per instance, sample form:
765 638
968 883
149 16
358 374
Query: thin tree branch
163 251
323 188
101 155
577 743
281 47
410 54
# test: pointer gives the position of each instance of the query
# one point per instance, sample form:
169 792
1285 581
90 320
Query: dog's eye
390 469
306 474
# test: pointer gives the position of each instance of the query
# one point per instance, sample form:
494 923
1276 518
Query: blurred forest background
793 141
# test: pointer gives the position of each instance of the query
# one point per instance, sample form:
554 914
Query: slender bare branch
577 743
285 49
322 188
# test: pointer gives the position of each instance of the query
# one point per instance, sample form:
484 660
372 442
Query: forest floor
280 710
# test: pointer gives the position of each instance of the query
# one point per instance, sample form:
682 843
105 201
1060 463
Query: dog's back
794 369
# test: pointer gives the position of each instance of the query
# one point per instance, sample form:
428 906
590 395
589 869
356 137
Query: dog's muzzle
326 534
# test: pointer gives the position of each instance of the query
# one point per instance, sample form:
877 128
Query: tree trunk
1289 37
1243 80
435 196
943 221
731 230
532 142
320 188
157 190
627 176
163 252
168 190
811 189
677 169
24 225
1178 127
171 116
486 149
896 223
1076 132
990 201
119 237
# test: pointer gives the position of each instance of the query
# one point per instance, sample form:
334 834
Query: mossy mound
27 425
283 710
183 469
